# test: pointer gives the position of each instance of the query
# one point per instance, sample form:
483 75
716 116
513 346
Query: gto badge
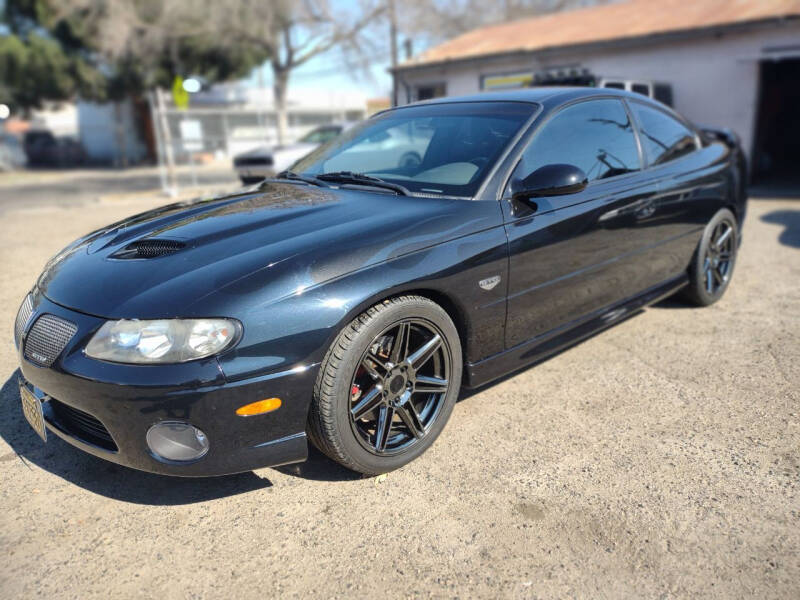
490 283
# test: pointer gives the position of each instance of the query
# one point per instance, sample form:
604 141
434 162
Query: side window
595 136
663 138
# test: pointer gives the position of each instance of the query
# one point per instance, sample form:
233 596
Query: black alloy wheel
713 262
387 385
399 386
719 254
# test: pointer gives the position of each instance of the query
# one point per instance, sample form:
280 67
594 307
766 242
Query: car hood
193 258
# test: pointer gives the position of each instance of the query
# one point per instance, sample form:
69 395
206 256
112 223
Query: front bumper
126 400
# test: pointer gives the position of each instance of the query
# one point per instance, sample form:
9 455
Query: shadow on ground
121 483
790 219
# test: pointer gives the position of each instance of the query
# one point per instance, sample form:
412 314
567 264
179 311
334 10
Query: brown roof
632 19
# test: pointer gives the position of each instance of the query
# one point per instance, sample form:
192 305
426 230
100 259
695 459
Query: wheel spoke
384 427
374 366
368 403
433 385
721 239
718 276
712 241
421 356
400 344
408 414
709 280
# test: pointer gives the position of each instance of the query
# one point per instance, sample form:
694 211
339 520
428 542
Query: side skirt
538 348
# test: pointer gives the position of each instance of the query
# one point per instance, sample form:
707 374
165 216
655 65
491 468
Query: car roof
548 95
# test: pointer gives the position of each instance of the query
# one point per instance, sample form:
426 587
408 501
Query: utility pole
393 41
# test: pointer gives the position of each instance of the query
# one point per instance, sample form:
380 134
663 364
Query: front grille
82 425
47 338
23 315
149 249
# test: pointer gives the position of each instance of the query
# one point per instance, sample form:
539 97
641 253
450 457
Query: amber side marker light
259 408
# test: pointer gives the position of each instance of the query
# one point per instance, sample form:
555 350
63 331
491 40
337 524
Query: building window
429 91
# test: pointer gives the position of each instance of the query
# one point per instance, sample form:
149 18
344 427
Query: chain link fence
201 140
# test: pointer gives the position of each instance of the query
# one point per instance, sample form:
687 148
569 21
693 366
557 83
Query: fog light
176 441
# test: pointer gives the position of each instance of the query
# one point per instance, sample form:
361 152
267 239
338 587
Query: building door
776 151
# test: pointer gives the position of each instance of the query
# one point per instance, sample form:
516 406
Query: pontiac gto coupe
347 300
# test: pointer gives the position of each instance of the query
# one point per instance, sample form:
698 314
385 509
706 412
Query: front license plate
32 409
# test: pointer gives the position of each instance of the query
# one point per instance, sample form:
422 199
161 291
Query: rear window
663 137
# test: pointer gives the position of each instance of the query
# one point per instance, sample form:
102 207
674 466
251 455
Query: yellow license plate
32 409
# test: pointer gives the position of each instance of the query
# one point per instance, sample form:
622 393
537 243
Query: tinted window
432 149
663 138
595 136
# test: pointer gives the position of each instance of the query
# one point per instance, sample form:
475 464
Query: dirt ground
659 459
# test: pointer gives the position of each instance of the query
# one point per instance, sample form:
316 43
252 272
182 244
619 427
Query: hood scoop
149 248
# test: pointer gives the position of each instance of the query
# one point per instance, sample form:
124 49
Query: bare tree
294 32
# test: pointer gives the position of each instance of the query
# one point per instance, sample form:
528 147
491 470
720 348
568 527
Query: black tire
414 415
712 265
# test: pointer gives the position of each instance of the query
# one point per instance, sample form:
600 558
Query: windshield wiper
292 176
363 179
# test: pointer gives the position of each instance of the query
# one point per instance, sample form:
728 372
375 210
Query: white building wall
100 131
714 80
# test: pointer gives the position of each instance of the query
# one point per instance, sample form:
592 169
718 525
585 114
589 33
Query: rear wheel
712 266
387 385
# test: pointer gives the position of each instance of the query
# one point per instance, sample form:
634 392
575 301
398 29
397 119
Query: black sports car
347 301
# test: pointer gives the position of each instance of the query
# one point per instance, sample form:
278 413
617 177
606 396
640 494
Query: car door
691 188
576 254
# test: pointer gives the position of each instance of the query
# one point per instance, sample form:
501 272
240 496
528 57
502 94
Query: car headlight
161 341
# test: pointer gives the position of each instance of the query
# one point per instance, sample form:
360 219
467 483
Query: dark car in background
44 149
347 305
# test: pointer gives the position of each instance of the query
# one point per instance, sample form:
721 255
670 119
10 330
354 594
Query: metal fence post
162 173
169 154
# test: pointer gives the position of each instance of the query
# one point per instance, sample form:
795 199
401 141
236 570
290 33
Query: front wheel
387 385
712 265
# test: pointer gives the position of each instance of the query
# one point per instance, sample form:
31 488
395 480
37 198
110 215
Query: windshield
443 149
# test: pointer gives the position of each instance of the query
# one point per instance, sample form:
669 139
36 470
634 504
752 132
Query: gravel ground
658 459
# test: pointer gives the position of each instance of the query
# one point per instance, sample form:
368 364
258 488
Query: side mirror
550 180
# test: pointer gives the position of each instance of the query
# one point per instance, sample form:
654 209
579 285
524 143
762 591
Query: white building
729 63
